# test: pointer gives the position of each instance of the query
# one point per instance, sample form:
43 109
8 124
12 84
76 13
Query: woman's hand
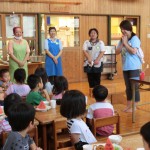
124 40
55 60
21 63
90 60
96 62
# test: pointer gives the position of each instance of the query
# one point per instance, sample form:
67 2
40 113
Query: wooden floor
117 88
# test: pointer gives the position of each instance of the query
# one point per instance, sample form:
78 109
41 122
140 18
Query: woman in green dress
18 50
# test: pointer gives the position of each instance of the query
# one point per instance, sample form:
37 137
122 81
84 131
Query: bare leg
129 105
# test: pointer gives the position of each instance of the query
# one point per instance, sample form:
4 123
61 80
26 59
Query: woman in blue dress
53 49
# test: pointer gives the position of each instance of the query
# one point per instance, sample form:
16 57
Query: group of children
37 89
20 115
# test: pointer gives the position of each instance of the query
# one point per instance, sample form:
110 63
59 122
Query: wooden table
130 141
45 118
146 81
31 66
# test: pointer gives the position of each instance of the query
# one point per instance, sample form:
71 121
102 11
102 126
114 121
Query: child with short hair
73 107
145 132
101 109
8 102
19 87
35 97
4 78
21 118
60 86
41 72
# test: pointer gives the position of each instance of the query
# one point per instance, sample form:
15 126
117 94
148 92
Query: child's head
4 74
60 85
100 93
10 100
41 72
20 75
34 81
21 116
73 104
146 135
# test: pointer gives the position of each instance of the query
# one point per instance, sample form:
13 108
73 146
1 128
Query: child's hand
38 148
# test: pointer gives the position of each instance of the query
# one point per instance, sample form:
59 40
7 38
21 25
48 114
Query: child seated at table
21 118
73 107
19 87
4 78
35 97
60 86
41 72
144 131
8 102
100 109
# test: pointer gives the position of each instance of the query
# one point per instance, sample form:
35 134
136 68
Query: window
67 29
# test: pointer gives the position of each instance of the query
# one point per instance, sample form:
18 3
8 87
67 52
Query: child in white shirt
101 109
73 107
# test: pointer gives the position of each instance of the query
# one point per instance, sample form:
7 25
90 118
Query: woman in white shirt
93 51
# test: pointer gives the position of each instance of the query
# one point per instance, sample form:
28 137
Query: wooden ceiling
42 1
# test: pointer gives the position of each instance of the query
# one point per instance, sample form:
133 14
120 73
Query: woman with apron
53 49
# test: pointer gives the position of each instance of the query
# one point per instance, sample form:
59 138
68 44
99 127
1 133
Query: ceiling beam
42 1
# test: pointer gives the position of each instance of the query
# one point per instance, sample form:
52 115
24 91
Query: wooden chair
67 148
61 139
33 134
101 122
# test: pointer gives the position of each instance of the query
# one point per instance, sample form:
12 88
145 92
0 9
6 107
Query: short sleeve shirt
101 110
46 47
35 98
16 142
94 51
131 61
78 126
21 89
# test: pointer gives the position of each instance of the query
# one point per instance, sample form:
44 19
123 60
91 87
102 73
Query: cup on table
53 103
87 147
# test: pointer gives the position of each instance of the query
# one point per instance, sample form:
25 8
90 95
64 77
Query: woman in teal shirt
131 62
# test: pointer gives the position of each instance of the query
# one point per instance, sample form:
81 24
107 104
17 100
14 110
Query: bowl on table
115 138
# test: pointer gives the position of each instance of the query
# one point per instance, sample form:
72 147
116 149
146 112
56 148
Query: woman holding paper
93 50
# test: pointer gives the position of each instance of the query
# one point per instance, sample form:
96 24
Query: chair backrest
101 122
4 137
57 125
67 148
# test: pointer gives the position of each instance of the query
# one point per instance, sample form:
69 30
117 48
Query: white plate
116 147
43 110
